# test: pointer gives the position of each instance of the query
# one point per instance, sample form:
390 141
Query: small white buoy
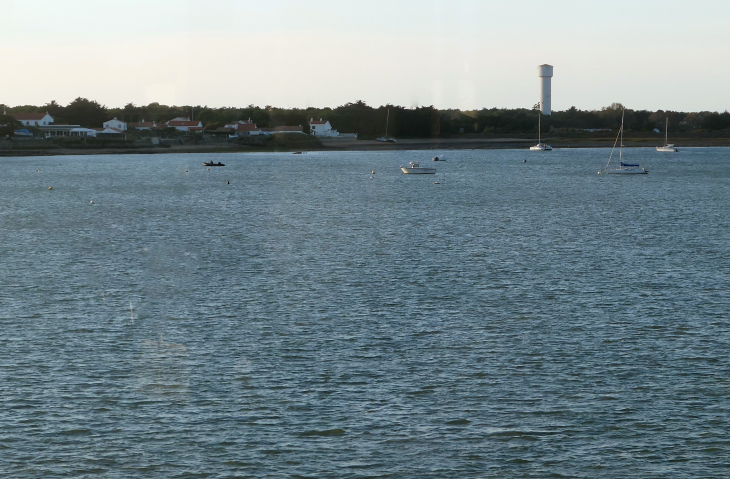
50 187
91 202
436 183
372 172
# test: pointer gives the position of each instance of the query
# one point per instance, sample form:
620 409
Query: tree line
402 122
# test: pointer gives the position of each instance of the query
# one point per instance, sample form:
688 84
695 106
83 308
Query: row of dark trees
403 122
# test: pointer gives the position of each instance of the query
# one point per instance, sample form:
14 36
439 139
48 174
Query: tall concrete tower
545 72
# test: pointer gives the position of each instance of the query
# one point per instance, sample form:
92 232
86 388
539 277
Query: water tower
545 72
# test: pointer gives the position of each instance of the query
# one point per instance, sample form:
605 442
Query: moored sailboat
667 148
540 145
386 138
622 168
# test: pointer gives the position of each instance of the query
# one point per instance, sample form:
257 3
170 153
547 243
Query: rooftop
29 116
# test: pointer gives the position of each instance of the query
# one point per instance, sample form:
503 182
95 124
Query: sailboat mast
539 125
387 119
666 131
621 147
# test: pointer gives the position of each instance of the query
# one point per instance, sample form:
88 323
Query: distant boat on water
212 163
667 148
622 168
415 168
386 138
540 145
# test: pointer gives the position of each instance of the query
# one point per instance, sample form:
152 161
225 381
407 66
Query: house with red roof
33 119
243 129
321 128
185 124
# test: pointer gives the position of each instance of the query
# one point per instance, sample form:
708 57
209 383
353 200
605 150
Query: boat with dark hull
623 168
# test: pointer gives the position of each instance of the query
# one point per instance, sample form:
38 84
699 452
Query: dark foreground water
312 320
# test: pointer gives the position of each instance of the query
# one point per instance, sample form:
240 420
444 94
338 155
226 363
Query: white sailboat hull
667 148
624 171
418 171
541 147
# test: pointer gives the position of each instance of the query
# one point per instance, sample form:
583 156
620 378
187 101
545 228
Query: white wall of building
84 132
118 124
545 72
319 129
45 121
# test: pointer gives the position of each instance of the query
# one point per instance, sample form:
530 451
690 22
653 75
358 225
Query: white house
239 122
185 124
243 128
321 128
324 129
33 119
117 124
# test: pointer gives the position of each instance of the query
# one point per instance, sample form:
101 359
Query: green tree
8 125
86 113
53 109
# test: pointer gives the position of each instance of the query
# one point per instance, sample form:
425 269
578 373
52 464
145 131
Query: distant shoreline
372 145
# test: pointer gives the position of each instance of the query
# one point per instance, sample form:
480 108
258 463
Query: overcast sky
466 54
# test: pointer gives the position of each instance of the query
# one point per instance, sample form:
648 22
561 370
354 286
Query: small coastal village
43 125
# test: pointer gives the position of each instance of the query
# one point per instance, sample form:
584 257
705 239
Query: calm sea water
313 320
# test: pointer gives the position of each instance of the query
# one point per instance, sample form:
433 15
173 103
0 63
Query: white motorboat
622 168
667 148
540 145
415 168
386 138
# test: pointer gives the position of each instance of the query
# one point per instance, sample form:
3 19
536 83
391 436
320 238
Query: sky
466 54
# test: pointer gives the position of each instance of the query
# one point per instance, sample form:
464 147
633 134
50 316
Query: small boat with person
212 163
415 168
622 168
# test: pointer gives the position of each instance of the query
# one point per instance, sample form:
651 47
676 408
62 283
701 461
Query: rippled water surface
311 319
